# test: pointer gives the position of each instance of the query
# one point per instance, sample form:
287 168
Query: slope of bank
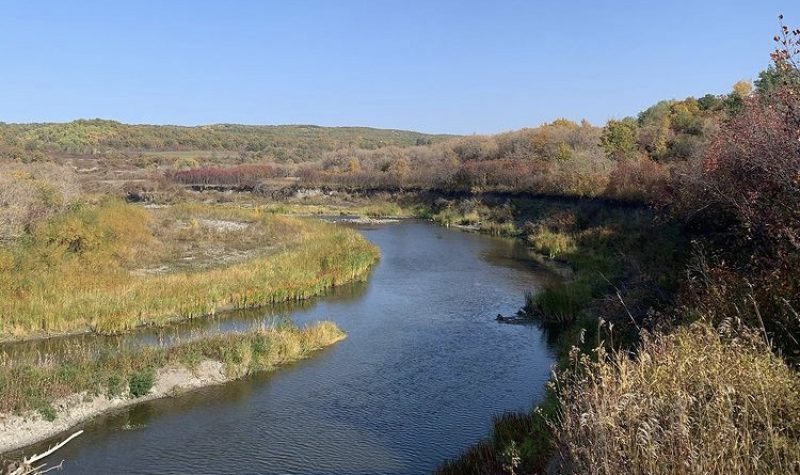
40 399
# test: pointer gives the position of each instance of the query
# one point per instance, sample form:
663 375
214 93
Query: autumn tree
619 139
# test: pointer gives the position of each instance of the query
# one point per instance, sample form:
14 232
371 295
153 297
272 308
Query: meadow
109 266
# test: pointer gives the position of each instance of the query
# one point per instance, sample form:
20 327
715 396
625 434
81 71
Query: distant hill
297 142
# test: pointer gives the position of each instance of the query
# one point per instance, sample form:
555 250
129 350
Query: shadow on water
423 370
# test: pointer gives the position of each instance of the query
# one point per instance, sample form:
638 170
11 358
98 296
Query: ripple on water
423 369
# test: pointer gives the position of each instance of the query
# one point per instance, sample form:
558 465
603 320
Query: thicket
707 383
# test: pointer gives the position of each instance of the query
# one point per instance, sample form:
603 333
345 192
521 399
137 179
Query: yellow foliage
692 402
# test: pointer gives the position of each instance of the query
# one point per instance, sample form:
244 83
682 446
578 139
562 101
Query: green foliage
619 139
773 78
113 386
284 143
47 411
560 303
141 382
710 102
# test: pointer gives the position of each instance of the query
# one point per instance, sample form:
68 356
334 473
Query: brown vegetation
693 402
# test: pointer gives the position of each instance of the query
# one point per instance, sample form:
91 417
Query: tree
619 138
735 101
743 89
710 102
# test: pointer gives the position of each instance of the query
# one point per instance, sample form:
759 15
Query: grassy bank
110 266
44 396
35 383
638 381
625 262
697 400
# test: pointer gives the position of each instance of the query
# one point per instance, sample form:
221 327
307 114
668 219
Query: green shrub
140 383
113 386
47 411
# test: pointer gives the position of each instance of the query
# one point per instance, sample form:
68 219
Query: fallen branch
28 467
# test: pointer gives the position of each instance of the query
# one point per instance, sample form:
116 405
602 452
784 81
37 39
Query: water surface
423 369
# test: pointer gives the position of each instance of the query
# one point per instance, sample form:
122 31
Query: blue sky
435 66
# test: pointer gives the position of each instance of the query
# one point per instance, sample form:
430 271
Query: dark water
422 371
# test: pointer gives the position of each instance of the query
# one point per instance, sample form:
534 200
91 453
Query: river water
424 368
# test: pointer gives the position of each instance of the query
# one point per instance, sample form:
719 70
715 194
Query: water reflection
422 371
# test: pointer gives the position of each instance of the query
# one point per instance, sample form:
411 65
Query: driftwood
28 465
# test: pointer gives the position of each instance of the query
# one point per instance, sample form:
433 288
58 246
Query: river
424 368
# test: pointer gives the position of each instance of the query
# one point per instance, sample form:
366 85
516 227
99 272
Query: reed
73 273
34 383
694 401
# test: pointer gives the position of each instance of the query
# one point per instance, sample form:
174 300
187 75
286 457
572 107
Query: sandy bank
18 431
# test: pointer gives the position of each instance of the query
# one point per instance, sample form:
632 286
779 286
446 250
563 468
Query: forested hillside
281 142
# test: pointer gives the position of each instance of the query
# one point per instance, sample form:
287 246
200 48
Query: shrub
113 386
140 383
746 201
636 180
552 244
695 401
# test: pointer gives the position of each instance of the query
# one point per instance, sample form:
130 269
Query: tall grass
520 442
690 402
73 273
552 244
35 383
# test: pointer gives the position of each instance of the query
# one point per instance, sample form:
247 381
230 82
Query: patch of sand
18 431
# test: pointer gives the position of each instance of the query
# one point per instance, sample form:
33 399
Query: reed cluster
75 272
35 382
693 401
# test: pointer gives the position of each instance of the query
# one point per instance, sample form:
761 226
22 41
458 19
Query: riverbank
110 267
41 399
624 262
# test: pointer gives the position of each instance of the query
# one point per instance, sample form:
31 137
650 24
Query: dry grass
689 402
552 244
34 382
29 193
73 272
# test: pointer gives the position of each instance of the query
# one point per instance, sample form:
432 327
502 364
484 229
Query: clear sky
457 66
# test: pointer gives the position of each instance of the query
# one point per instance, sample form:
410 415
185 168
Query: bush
695 401
552 244
141 383
746 202
637 180
113 386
